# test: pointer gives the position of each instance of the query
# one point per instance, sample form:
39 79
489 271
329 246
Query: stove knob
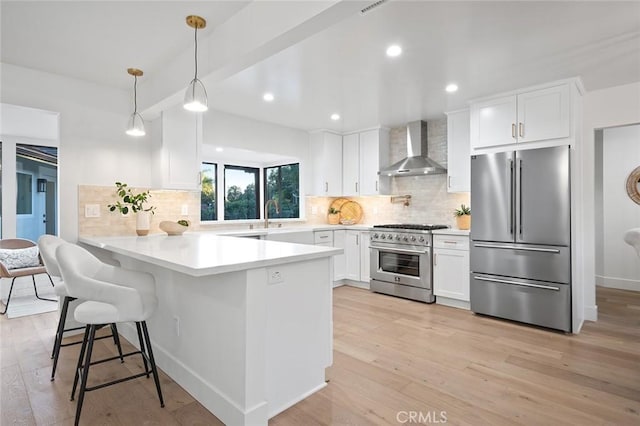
398 237
421 239
383 237
413 238
375 236
406 238
390 237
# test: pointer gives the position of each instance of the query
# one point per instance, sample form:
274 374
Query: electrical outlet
185 210
176 321
275 276
92 210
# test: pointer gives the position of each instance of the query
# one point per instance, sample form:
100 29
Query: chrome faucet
266 211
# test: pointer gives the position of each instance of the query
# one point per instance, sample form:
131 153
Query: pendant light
195 98
136 123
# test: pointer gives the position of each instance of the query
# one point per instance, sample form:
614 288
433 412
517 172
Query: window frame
266 188
215 190
256 172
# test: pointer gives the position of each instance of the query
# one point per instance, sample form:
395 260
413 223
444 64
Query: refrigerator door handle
520 200
496 246
511 194
494 280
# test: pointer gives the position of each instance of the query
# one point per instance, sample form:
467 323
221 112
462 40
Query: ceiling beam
258 31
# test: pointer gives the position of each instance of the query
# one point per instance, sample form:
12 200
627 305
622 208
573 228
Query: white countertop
204 253
451 231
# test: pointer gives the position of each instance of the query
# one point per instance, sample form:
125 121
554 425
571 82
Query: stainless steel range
401 260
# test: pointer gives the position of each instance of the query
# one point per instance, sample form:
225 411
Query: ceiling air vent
372 6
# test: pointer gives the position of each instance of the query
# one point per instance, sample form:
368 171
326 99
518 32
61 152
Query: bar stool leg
80 359
85 372
58 342
141 340
116 340
8 298
153 362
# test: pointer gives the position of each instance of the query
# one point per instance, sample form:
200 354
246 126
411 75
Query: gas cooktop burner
417 227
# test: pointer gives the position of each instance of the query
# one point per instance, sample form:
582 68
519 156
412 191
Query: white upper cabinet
544 114
458 152
351 165
493 121
363 154
326 157
374 153
176 156
528 115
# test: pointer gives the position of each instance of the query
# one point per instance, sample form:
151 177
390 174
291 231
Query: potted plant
463 217
333 216
134 203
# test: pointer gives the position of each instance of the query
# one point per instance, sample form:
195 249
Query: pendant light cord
135 94
195 77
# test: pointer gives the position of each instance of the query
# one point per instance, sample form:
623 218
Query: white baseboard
454 303
358 284
619 283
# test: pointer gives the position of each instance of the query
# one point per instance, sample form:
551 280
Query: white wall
620 156
615 106
93 150
243 134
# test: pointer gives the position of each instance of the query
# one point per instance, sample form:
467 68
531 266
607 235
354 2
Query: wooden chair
6 272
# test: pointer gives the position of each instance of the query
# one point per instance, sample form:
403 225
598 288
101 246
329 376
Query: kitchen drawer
544 263
323 237
451 242
532 302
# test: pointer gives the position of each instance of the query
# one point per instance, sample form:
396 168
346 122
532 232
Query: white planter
143 223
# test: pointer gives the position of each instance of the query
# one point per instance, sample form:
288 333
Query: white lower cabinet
451 270
339 260
353 264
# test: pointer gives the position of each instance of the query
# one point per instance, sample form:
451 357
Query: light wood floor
391 357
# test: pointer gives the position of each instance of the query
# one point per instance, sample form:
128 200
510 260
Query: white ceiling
485 47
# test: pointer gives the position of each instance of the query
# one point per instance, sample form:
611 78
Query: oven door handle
399 250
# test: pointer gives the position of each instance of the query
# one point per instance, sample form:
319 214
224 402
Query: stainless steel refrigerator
521 236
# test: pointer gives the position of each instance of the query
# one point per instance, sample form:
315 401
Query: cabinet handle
357 239
356 187
326 187
376 186
449 181
513 130
324 236
435 259
521 130
450 242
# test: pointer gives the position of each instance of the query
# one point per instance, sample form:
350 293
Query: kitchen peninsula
244 325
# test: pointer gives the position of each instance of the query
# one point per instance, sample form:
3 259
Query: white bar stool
47 244
113 295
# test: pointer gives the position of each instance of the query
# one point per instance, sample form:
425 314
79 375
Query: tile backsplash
168 205
430 201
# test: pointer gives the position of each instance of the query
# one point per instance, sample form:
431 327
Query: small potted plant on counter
463 217
333 216
135 203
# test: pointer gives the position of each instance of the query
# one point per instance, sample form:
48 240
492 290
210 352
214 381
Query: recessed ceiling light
335 117
219 149
451 88
394 50
268 97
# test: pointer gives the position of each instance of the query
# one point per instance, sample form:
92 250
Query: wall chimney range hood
417 162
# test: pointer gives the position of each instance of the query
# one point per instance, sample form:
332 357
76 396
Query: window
282 184
242 198
209 192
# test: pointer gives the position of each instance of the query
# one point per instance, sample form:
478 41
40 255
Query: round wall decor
633 185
